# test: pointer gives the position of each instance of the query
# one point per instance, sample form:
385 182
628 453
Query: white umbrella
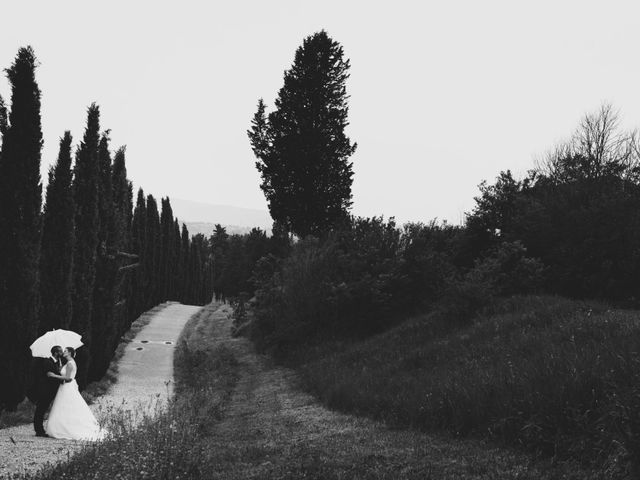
64 338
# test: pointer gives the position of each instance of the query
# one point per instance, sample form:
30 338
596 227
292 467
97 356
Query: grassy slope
552 375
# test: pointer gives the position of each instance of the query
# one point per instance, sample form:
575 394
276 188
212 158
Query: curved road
145 380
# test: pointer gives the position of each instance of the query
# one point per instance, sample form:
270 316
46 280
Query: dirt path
145 379
270 429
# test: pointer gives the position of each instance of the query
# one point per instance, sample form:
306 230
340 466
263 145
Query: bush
506 270
349 284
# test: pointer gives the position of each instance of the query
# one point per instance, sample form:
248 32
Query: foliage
358 281
506 270
85 186
301 147
20 226
577 212
58 239
82 266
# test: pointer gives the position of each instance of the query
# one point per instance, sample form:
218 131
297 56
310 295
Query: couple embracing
70 416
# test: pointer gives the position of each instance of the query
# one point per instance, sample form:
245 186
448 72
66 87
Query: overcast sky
443 94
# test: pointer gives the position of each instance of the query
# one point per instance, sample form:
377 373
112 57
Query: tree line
86 260
570 227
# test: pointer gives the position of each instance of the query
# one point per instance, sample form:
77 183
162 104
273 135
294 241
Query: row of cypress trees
87 261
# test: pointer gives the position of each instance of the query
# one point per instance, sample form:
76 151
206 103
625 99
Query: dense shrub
506 270
364 277
357 281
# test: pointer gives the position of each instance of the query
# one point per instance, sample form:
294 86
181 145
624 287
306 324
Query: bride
70 416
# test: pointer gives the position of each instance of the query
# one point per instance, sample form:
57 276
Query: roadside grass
557 377
25 410
169 443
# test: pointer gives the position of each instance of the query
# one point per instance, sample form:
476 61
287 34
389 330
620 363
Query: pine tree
20 226
58 238
86 180
302 150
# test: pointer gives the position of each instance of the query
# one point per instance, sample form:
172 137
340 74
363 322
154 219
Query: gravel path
145 381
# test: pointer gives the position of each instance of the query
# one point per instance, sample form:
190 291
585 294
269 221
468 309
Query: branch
126 255
128 267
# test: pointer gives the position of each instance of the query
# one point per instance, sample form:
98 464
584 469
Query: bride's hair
72 351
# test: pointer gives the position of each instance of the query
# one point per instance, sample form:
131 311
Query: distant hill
201 217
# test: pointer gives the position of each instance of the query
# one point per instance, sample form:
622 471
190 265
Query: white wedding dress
70 417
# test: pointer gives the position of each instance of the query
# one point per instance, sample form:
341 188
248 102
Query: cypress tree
167 261
103 328
184 261
4 125
301 147
138 245
58 237
20 222
152 257
122 210
219 245
86 179
177 252
195 268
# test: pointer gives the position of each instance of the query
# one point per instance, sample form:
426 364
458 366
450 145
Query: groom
46 388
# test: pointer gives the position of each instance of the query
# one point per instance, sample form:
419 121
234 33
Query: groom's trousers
41 408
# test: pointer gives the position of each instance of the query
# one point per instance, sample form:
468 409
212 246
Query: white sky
443 94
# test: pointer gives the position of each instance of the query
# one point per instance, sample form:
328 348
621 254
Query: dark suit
45 391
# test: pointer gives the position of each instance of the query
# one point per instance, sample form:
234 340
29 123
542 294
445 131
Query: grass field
556 377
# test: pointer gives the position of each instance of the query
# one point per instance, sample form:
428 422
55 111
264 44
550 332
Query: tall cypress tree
122 210
58 238
20 227
152 254
184 261
138 246
85 183
302 150
168 262
219 247
103 328
122 207
178 275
